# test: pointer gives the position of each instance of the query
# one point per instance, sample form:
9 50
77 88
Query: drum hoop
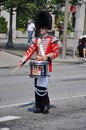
38 62
36 76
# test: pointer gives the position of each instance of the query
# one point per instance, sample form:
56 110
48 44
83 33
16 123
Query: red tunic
50 47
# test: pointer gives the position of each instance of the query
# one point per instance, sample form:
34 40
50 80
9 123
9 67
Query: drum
38 68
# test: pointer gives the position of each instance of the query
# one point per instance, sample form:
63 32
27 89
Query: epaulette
54 39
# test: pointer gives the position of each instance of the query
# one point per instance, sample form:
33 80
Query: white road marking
4 129
15 105
65 77
24 103
8 118
61 98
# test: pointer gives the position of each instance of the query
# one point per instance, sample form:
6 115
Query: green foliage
13 3
21 29
73 2
21 20
54 5
69 28
61 18
24 14
41 4
3 25
26 9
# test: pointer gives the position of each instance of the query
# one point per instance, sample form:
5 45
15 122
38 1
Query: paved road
67 91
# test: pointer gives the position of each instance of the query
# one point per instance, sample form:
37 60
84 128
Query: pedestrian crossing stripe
4 129
9 118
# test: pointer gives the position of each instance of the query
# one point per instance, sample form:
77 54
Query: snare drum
38 68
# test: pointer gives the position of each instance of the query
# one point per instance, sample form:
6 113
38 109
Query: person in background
61 28
84 51
30 28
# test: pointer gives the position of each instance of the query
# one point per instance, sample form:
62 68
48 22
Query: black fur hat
43 19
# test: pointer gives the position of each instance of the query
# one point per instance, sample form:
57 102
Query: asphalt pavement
67 92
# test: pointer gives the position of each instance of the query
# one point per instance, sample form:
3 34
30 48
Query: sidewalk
20 46
8 60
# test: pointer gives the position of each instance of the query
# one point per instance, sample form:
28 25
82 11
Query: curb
72 61
66 61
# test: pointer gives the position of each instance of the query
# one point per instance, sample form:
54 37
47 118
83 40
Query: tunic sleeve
55 48
29 52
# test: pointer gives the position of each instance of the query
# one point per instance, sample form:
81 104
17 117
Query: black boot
37 110
46 104
46 109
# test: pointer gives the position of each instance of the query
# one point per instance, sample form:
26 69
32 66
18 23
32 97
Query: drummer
46 47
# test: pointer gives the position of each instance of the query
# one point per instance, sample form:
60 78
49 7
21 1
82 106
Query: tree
25 9
3 25
10 6
24 13
74 2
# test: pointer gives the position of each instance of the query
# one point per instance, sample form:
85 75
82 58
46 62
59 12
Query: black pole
10 34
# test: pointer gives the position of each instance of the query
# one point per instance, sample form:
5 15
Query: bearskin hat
43 19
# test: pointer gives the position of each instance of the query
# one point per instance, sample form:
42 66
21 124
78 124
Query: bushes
3 25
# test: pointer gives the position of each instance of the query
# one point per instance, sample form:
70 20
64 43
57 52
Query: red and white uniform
50 47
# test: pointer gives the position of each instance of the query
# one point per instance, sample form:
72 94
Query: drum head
38 68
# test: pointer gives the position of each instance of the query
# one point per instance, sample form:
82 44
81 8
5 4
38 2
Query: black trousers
41 96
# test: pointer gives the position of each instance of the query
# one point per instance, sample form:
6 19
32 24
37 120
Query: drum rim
38 63
34 76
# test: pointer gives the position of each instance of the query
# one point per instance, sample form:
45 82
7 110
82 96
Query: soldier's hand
20 64
43 58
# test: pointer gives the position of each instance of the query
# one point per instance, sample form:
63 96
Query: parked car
81 44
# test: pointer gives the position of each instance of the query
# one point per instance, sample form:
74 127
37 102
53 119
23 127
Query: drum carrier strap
41 91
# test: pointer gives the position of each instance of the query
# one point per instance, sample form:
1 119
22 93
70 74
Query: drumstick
15 69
